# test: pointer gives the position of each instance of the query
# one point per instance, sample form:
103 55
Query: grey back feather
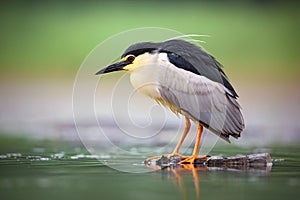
204 101
213 106
203 63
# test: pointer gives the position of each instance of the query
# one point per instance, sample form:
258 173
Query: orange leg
194 156
185 132
197 143
179 144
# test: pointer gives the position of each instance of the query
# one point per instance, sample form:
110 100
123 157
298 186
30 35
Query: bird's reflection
179 178
181 173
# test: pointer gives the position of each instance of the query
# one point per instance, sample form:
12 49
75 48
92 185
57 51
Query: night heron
189 81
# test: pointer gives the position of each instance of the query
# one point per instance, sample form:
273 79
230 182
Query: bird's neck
148 73
146 80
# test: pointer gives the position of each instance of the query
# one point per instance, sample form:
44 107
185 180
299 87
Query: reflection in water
179 178
180 173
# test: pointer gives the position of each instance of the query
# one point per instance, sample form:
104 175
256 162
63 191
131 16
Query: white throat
146 76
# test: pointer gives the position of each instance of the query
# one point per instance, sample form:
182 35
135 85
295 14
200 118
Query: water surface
51 170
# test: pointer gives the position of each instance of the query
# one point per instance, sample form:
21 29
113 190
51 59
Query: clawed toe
192 159
176 158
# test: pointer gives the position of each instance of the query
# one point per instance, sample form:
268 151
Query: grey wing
205 101
202 63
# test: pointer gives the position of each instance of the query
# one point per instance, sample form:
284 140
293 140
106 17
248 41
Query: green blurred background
43 44
55 36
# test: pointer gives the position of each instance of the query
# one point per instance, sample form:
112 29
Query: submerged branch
260 161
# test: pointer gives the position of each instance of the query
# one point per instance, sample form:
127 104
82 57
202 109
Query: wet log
241 162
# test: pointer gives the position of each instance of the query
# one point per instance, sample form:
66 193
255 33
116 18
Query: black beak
114 67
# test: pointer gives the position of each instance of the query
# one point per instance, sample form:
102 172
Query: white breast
147 77
146 81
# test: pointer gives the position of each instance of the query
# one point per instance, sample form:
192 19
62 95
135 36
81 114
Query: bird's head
135 56
123 64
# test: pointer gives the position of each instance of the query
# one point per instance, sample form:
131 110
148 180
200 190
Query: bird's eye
131 58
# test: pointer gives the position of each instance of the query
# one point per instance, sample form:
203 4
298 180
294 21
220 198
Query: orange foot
168 156
152 158
177 155
191 159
